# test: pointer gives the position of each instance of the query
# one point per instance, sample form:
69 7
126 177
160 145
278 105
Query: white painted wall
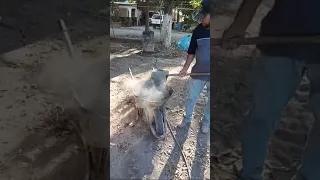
125 11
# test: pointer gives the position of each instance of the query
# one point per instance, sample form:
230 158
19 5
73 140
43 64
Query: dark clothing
275 80
200 47
205 6
293 18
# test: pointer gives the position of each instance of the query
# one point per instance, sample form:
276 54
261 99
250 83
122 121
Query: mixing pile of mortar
151 94
154 89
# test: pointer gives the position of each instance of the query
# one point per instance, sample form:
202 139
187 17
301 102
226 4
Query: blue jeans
275 82
195 87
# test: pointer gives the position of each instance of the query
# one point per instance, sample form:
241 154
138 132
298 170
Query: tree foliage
130 1
196 4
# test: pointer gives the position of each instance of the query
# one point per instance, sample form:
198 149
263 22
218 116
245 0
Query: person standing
199 48
276 78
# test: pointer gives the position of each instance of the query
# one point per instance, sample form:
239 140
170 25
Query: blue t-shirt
200 47
293 18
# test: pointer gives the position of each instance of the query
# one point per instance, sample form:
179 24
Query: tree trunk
147 16
166 28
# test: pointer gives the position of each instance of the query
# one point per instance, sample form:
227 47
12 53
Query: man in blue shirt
276 78
199 48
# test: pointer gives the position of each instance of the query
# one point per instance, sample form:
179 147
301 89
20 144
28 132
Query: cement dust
146 90
87 77
58 73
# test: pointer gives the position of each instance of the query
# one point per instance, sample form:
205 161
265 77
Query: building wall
124 14
125 11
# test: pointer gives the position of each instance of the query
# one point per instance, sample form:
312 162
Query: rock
131 124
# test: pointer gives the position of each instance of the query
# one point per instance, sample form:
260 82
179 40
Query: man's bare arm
190 58
245 13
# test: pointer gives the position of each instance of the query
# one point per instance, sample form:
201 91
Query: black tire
154 27
159 122
99 159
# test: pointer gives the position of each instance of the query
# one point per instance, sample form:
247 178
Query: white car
156 20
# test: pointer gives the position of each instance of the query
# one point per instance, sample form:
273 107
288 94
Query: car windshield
156 16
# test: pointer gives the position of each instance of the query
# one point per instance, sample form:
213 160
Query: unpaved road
136 32
135 153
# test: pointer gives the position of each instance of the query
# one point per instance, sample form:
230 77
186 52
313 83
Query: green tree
169 5
196 4
130 1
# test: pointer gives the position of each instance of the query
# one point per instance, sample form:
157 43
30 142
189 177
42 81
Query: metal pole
268 40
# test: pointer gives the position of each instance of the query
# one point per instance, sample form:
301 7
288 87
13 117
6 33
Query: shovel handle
67 38
268 40
191 74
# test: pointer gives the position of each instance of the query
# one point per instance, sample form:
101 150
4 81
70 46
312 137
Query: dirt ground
36 139
135 153
136 32
36 20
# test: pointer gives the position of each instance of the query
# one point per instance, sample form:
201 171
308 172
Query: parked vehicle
156 20
151 13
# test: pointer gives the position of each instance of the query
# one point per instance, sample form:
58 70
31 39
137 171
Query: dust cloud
88 79
148 90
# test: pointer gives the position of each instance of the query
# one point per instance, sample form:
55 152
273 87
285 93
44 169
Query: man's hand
183 72
186 66
240 23
232 32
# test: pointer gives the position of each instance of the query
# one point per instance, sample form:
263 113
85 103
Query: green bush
189 24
